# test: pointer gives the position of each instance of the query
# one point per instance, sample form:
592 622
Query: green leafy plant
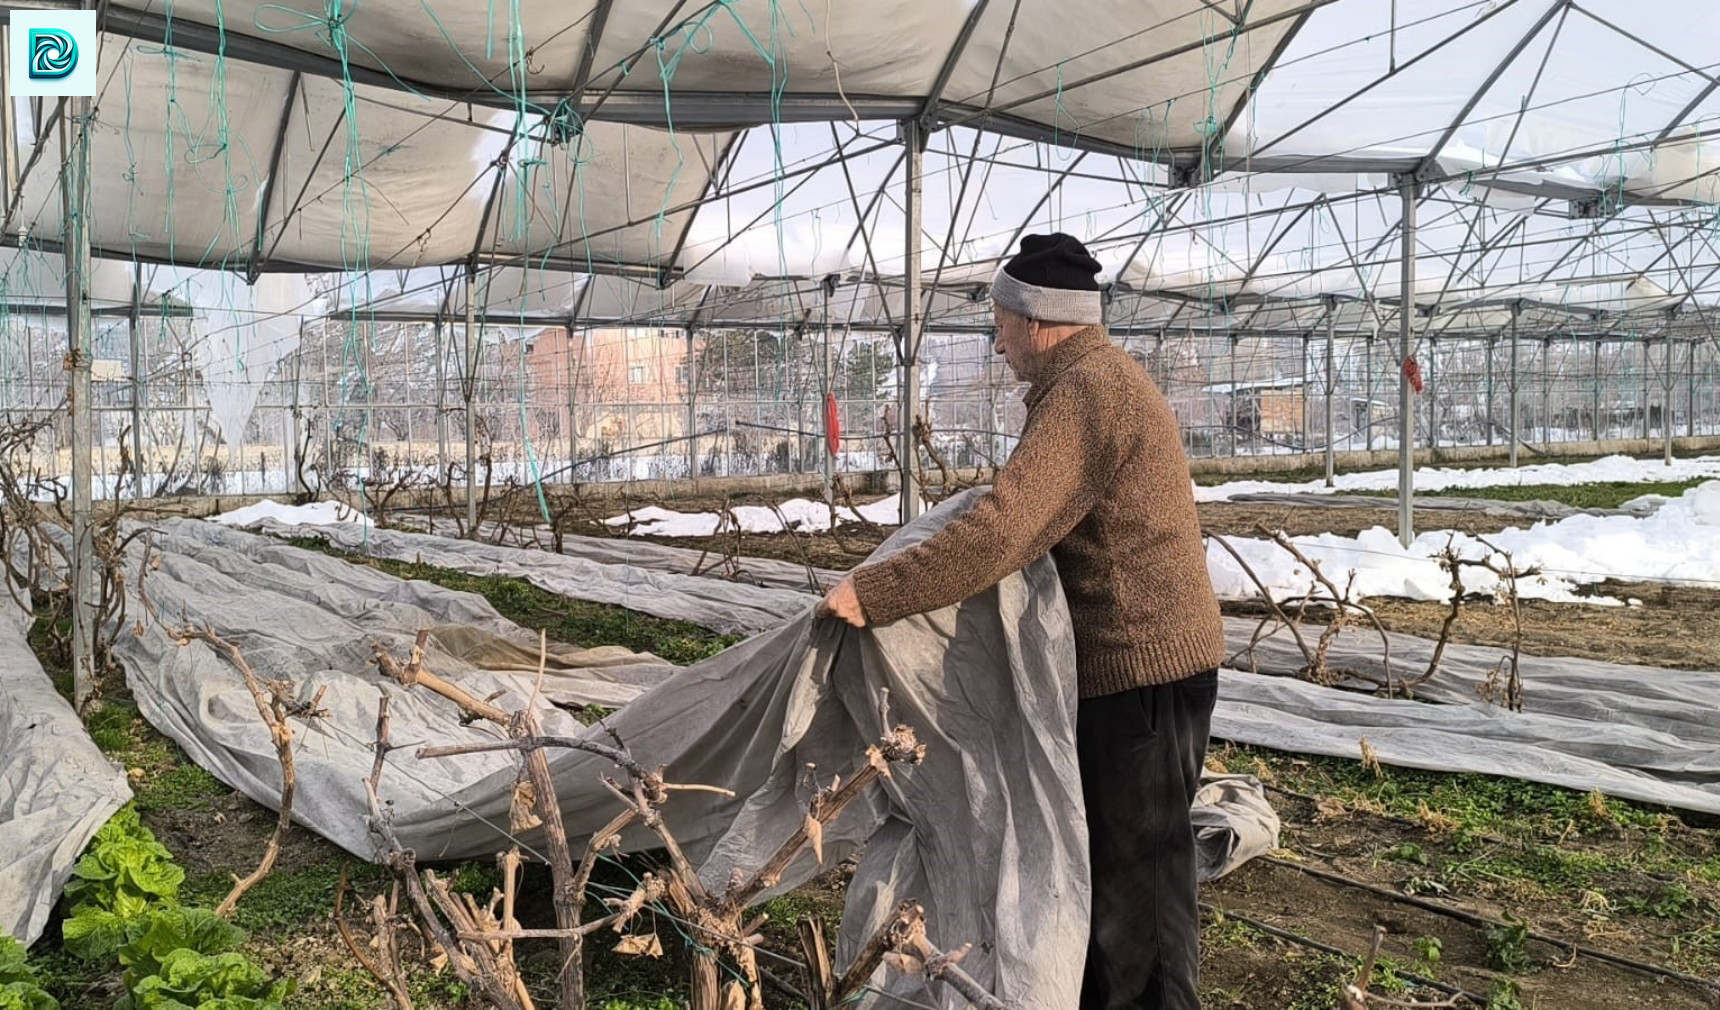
1504 996
192 981
1407 852
18 988
26 996
121 877
164 931
125 870
124 902
1671 903
1508 946
1429 949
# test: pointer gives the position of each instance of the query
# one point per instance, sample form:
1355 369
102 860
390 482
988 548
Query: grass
1522 839
573 622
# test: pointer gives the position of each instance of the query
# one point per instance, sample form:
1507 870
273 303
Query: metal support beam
692 373
1331 387
1512 381
138 384
588 54
1332 107
1667 359
439 335
74 130
468 391
912 319
1690 390
1487 410
1406 347
1556 10
934 95
1647 371
1595 420
1212 149
254 267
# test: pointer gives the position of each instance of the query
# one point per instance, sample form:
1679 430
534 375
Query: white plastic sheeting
725 607
56 787
993 813
1634 732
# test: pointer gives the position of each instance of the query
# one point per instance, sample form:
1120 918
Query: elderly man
1100 481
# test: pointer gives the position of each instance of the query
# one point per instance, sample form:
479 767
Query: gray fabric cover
730 607
1634 732
56 787
643 552
987 833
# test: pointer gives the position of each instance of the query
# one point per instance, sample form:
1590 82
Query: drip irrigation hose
1472 919
1297 938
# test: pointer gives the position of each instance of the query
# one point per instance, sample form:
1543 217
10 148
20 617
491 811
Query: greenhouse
436 438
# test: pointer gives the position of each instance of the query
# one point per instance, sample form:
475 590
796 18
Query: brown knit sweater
1099 479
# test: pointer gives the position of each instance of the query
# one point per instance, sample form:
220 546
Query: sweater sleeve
1064 462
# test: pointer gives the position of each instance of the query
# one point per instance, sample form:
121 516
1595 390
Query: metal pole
1432 399
1233 400
467 391
293 458
75 196
137 387
1647 367
829 390
692 408
1690 391
911 322
1487 411
573 401
1547 390
1307 423
1368 389
1512 381
440 334
1595 421
1406 338
1331 386
1667 358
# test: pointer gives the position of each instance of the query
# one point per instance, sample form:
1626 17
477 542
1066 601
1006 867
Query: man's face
1014 340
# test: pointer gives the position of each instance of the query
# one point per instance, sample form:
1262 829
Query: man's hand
843 603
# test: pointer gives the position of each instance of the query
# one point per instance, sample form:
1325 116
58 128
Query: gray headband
1048 305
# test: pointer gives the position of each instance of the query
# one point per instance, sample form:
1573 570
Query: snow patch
322 513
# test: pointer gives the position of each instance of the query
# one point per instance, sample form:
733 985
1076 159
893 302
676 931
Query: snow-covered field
1621 469
1678 543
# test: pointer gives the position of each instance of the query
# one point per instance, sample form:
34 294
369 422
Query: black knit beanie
1052 279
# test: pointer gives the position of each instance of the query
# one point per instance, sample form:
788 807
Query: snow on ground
1621 469
1680 543
322 513
799 513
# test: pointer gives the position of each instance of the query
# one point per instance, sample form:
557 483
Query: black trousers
1141 754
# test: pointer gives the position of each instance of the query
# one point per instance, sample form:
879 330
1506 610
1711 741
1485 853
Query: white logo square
52 53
